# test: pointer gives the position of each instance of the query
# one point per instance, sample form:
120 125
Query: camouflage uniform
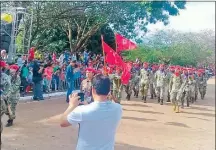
86 89
13 98
192 84
4 87
174 86
117 87
196 86
144 83
128 89
169 75
202 84
135 83
184 91
160 77
152 84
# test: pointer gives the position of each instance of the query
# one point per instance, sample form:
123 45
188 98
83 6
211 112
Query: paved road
147 126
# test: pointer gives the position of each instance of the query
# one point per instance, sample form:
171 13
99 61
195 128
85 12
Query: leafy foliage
73 25
176 48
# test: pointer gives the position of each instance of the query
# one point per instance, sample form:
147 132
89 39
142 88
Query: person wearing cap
4 89
87 83
135 80
202 83
70 78
196 76
14 93
183 92
144 81
152 82
174 86
170 72
160 77
192 84
117 86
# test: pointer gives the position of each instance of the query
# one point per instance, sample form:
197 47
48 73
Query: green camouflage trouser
13 103
173 97
160 92
117 94
144 89
2 112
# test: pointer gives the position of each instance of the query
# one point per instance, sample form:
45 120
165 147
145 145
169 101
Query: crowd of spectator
53 76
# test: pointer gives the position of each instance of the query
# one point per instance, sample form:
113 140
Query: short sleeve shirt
97 122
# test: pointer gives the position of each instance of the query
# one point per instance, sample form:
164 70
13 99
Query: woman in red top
49 72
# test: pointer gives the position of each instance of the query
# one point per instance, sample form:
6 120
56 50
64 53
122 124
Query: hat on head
90 70
14 67
2 63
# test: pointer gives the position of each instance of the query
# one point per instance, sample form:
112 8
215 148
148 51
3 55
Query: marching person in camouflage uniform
117 85
4 89
160 77
174 86
135 80
128 89
192 84
196 75
86 85
202 83
13 94
170 72
184 91
152 82
144 81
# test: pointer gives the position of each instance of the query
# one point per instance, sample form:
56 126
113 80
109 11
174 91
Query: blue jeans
55 82
70 89
38 90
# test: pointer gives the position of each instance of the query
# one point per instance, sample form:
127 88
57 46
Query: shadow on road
201 114
138 119
200 108
121 146
136 105
199 118
177 124
142 111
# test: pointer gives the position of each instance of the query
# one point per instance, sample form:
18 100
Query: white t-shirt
98 122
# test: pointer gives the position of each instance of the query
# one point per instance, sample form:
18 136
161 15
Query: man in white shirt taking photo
97 121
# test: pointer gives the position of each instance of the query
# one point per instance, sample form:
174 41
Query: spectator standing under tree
37 81
24 78
70 78
48 72
102 117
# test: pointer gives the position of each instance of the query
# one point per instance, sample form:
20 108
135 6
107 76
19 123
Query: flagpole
103 52
115 42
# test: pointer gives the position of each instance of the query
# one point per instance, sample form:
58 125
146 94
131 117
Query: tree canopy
59 25
178 48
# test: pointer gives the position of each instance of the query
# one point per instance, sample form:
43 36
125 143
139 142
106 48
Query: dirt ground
147 126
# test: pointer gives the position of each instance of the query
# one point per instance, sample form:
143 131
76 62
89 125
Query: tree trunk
70 37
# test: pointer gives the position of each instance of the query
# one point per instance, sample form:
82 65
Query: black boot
151 96
158 99
10 123
137 93
144 99
129 97
161 101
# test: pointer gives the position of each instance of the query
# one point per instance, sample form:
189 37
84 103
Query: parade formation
82 48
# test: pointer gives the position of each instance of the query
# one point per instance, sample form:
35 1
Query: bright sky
197 16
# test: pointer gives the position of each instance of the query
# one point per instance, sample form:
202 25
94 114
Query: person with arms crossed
97 121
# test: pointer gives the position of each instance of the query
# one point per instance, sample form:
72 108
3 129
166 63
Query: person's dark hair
101 84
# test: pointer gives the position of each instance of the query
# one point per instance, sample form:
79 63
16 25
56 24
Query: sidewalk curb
30 98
